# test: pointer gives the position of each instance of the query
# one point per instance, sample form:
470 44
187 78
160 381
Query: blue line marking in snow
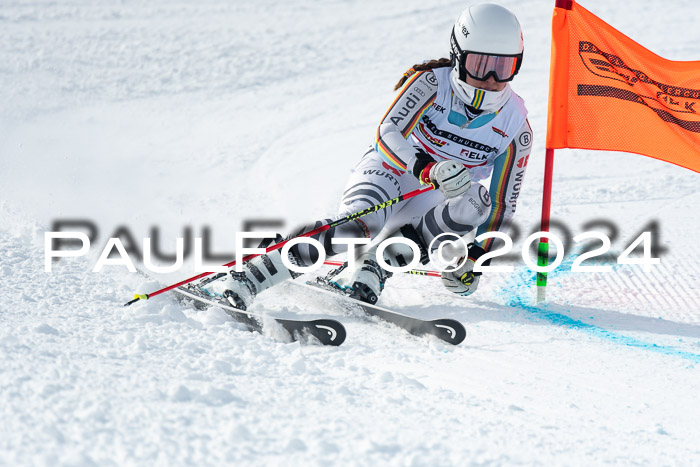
566 321
562 320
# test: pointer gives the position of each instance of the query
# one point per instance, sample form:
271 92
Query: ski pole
277 246
415 272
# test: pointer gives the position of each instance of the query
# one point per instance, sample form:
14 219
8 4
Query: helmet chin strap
480 99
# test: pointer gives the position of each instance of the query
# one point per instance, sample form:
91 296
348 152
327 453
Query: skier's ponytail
439 63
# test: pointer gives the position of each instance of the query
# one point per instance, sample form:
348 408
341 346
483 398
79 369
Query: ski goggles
482 66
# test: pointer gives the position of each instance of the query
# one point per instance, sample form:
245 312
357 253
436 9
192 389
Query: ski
327 331
448 330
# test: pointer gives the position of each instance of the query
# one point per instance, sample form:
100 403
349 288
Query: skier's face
489 84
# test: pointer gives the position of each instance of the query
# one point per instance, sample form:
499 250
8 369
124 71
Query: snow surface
176 114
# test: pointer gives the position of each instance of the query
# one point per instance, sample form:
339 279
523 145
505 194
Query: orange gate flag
607 92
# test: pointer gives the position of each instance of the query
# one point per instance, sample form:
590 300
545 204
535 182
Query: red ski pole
415 272
279 245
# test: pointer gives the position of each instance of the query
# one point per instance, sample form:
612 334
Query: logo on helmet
464 31
454 46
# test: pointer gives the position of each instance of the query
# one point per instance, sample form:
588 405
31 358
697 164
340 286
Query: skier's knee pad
470 208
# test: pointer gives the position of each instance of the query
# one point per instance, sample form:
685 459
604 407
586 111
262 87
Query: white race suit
427 116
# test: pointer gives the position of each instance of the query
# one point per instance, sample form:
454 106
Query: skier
455 123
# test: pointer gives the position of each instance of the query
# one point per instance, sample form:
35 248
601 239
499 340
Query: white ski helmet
486 41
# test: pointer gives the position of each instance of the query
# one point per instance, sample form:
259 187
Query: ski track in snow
172 114
156 382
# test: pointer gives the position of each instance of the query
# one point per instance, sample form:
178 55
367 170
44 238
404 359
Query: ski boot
261 273
365 282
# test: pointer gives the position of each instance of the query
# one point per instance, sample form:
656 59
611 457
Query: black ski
327 331
448 330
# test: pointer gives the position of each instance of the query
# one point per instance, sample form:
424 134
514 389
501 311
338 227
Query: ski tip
329 331
449 330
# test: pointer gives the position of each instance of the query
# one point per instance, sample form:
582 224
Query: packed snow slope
179 115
